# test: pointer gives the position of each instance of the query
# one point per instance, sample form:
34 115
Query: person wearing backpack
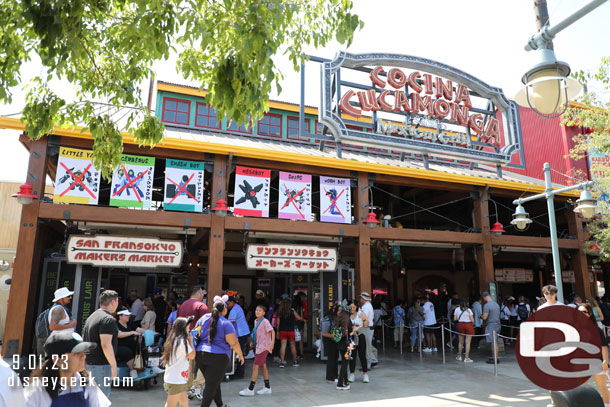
55 318
523 310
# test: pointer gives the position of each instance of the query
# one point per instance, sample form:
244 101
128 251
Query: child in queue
263 339
177 354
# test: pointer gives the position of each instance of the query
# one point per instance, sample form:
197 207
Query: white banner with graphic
251 194
183 186
335 200
294 196
77 180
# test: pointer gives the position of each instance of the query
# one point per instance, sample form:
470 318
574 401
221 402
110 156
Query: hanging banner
183 186
335 200
132 182
77 180
251 195
291 258
295 196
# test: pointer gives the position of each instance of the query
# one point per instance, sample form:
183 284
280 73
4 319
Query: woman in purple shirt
214 339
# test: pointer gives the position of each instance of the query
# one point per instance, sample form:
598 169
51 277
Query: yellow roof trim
304 159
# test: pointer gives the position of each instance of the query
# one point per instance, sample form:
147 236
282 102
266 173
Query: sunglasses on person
585 312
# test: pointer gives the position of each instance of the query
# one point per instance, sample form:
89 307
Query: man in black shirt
160 310
101 328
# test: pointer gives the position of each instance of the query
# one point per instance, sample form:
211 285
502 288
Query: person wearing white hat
59 316
367 308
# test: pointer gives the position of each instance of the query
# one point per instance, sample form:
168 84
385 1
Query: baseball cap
62 342
484 294
260 292
124 312
365 295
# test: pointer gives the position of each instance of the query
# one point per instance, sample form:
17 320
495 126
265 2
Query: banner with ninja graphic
132 182
295 196
335 200
251 195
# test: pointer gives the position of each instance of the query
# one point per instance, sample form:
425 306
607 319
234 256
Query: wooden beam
20 314
421 235
485 261
533 241
290 226
123 216
579 257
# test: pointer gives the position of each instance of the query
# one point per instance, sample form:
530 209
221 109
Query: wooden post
485 261
20 317
217 230
579 257
363 249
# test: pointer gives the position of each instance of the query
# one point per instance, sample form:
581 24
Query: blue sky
482 37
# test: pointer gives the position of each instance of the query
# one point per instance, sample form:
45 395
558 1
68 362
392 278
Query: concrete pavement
397 381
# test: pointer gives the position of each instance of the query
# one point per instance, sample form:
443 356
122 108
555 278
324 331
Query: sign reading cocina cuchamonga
122 251
290 257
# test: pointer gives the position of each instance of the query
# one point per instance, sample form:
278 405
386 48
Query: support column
217 231
363 248
485 261
579 258
20 316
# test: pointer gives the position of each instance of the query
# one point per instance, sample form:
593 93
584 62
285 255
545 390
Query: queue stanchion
402 333
383 336
419 328
443 340
495 350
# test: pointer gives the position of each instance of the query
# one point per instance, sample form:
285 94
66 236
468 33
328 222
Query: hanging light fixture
371 221
587 205
520 218
25 196
221 210
497 229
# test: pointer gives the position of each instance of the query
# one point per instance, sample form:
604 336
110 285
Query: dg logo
559 348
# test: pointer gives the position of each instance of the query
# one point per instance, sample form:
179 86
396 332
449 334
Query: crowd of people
204 343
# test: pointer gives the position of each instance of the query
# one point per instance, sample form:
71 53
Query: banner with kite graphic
132 182
251 195
183 186
294 196
77 180
335 200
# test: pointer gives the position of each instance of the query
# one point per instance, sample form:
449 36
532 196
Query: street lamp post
548 89
586 206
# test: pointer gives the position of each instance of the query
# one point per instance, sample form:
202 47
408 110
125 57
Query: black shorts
429 329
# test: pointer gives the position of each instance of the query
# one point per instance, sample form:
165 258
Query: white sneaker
246 392
134 374
158 370
427 350
343 387
250 355
351 378
468 360
458 357
366 378
264 390
435 350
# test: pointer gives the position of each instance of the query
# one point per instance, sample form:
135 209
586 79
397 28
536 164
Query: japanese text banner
290 257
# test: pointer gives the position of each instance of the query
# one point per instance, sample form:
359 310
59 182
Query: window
240 129
270 125
206 116
293 129
176 111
